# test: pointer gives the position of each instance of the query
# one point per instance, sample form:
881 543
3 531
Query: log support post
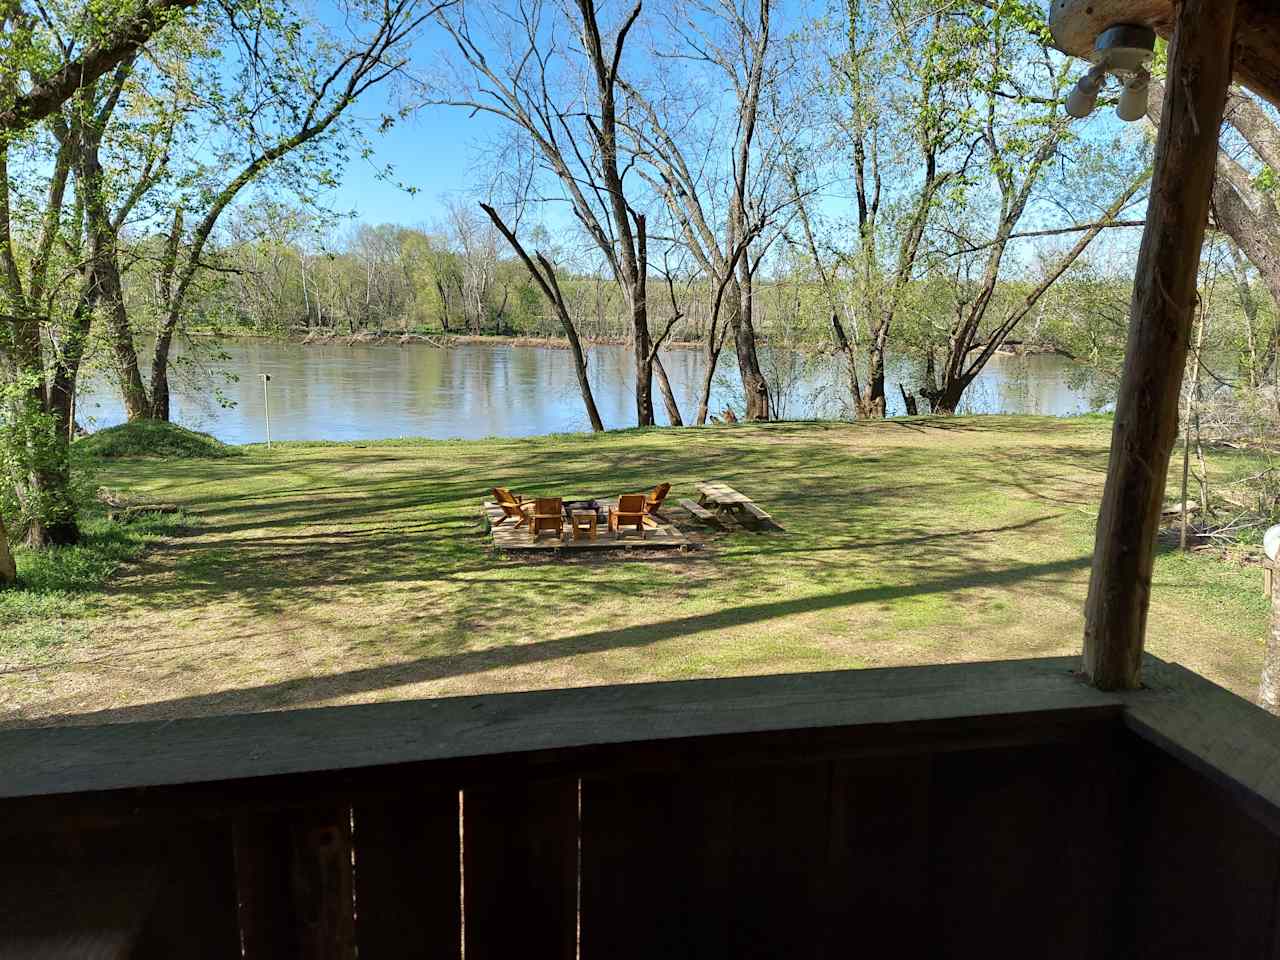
1269 688
1164 294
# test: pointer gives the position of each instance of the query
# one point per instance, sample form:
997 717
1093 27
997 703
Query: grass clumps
154 438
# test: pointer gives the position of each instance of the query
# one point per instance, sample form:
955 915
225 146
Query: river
373 391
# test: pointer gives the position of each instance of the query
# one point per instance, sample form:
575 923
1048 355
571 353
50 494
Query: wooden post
1269 686
1164 291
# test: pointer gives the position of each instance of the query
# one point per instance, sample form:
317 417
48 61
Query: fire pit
582 506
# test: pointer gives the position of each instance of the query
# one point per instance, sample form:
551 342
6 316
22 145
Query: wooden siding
882 813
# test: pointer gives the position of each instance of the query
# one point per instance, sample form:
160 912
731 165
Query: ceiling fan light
1133 97
1084 95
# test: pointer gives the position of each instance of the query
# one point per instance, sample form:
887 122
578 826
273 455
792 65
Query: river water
374 391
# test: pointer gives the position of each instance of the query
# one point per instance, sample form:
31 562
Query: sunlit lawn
316 574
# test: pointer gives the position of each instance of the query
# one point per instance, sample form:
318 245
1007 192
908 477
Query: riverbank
325 573
447 340
1012 348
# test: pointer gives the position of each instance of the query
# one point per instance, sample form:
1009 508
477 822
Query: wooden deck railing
979 810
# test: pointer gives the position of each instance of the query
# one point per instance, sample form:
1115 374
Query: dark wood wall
1055 833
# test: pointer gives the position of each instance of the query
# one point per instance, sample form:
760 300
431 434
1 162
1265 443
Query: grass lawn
328 573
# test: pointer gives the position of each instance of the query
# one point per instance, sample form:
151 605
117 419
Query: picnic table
725 499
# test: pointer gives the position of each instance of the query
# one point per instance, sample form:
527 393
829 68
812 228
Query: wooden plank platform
665 536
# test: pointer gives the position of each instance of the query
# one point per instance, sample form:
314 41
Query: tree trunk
111 294
1186 472
8 568
850 356
104 264
164 337
66 365
43 484
544 275
909 402
644 380
444 307
873 398
1146 418
715 343
642 344
754 386
946 401
158 409
668 397
1193 422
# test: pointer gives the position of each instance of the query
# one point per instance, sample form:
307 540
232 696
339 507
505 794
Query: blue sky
436 150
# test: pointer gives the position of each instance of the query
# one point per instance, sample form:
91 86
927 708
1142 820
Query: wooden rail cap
61 760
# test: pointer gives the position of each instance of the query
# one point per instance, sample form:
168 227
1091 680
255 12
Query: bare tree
564 97
717 202
544 275
476 241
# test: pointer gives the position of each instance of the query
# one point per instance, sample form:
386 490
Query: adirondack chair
513 507
548 514
654 504
630 512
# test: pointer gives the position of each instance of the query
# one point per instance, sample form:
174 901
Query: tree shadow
301 691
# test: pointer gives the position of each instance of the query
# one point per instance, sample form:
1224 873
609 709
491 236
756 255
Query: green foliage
153 438
34 460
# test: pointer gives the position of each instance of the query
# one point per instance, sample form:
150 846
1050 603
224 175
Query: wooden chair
548 514
654 503
513 507
630 512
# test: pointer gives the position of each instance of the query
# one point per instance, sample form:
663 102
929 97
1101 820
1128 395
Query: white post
266 406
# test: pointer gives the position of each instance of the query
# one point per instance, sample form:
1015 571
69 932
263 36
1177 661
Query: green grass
330 573
152 439
58 590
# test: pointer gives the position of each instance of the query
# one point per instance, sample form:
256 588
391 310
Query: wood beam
1164 295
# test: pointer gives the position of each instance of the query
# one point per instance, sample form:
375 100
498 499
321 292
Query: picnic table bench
700 512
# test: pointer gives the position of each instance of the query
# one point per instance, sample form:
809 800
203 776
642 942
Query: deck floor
506 537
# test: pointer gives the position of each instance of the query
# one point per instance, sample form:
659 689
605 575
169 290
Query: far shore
402 338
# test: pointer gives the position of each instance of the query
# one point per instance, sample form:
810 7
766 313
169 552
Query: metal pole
266 406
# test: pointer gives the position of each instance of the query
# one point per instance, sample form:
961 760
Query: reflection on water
338 392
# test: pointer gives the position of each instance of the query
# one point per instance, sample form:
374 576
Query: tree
668 128
475 240
34 448
1016 91
290 93
910 128
529 78
45 62
1245 199
544 275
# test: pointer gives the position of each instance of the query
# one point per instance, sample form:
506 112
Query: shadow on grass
363 519
298 692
